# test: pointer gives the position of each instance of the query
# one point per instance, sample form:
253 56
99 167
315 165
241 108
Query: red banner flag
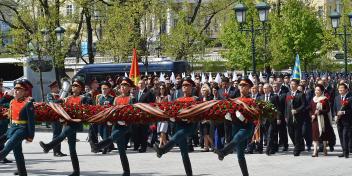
134 72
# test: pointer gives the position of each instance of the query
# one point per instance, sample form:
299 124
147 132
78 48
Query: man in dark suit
342 114
295 102
281 122
140 131
307 123
270 126
225 92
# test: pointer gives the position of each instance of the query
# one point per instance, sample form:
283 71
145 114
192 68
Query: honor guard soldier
21 113
70 129
54 97
241 132
120 128
105 99
5 99
183 129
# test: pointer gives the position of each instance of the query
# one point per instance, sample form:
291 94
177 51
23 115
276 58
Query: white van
28 67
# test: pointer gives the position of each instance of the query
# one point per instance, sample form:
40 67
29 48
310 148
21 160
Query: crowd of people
307 109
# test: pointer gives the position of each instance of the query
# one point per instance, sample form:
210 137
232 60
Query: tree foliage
296 31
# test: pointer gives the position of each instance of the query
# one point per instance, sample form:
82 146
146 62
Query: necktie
140 94
342 98
267 98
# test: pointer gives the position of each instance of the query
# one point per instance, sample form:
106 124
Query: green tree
122 28
28 19
188 37
238 45
297 30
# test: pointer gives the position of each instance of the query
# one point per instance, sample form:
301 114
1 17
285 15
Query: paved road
204 164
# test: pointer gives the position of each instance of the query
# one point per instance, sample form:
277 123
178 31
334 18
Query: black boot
59 154
164 149
75 165
125 165
5 161
101 145
21 167
188 166
243 166
225 151
49 146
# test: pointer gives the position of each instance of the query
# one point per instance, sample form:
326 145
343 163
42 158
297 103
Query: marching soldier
70 129
93 128
21 113
5 99
103 99
120 128
57 126
242 131
183 130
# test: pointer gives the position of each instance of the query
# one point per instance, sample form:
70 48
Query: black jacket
298 103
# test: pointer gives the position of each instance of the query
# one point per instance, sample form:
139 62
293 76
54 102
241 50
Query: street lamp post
335 22
240 11
59 31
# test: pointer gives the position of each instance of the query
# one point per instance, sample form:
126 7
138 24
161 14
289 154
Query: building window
69 10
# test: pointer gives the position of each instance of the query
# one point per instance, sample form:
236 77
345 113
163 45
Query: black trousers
295 133
218 140
93 133
282 129
57 129
345 135
140 136
3 129
228 131
272 136
307 131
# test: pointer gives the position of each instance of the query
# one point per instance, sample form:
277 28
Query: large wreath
240 109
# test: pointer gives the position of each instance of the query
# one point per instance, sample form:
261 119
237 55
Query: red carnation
344 102
289 98
226 95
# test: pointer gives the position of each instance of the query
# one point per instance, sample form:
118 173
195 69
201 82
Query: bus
12 69
103 71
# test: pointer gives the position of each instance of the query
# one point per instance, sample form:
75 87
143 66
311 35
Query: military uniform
118 135
4 123
104 129
184 129
241 132
57 126
21 113
69 131
93 128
